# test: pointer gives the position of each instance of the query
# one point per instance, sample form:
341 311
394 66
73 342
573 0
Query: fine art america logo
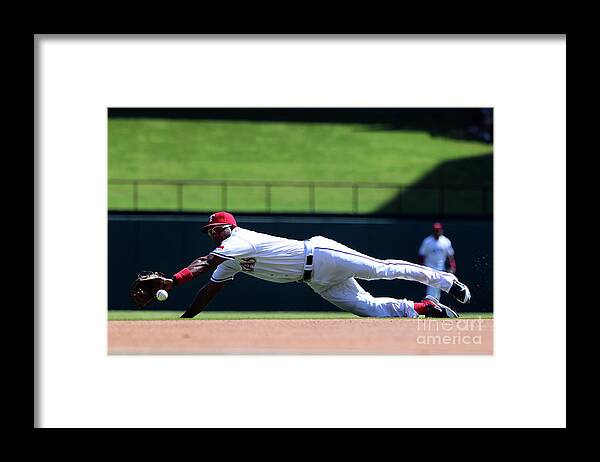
450 332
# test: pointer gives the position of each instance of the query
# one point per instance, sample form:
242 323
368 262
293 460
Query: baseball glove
143 291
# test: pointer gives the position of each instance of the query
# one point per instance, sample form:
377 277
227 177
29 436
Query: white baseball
162 295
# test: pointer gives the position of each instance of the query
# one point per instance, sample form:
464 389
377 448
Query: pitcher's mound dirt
294 336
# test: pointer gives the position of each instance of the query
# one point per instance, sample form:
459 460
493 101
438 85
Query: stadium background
374 179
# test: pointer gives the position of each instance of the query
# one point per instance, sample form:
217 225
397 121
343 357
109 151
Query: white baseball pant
336 268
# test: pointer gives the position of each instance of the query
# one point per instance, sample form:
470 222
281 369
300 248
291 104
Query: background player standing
434 251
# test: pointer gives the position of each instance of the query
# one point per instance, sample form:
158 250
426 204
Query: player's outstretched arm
202 264
203 298
198 266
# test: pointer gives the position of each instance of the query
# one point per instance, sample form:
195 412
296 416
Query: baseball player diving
331 269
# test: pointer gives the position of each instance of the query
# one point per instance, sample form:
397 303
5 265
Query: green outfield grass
265 151
145 315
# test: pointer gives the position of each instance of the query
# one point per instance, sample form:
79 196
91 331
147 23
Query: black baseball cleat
460 291
436 310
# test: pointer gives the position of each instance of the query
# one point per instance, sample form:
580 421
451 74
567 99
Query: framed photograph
328 168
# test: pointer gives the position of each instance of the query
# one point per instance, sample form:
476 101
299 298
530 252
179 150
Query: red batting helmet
219 219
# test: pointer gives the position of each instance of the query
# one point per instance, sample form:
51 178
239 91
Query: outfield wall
168 242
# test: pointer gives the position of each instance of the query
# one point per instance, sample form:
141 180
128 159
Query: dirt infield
294 336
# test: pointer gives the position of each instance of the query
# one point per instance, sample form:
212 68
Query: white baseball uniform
328 267
435 252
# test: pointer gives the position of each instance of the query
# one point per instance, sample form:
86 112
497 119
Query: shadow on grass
458 123
459 187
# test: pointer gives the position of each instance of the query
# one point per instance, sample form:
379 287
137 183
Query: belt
308 263
307 268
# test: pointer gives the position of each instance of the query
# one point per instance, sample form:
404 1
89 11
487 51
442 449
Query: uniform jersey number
248 264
